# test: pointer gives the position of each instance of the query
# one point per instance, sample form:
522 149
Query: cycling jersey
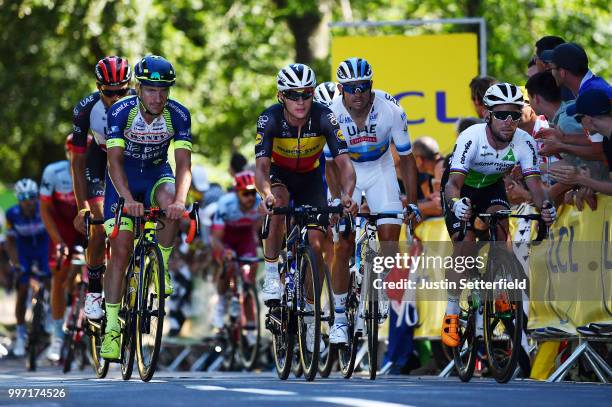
56 188
146 145
483 165
238 226
386 121
31 238
297 152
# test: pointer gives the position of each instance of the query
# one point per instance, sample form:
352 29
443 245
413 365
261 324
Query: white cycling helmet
325 93
503 94
296 76
26 186
199 178
354 69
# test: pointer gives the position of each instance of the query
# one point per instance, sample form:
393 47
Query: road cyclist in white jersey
483 154
371 120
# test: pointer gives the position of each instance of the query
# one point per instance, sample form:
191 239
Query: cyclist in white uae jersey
484 153
371 120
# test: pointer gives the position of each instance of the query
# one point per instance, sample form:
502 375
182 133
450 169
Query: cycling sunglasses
296 95
361 87
117 92
26 196
503 115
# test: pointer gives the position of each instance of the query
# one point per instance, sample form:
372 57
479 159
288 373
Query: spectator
478 87
429 162
531 122
544 47
532 67
570 67
466 122
237 164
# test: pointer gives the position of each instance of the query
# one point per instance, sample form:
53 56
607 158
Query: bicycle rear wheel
347 352
128 331
308 276
35 340
371 315
464 354
328 356
250 328
150 311
503 318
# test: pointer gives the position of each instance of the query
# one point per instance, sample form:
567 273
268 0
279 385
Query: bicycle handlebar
505 214
301 210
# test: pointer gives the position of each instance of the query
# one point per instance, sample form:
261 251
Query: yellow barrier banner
428 74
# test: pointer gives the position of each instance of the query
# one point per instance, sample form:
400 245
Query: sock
21 331
339 304
58 328
272 269
166 252
94 275
452 307
112 317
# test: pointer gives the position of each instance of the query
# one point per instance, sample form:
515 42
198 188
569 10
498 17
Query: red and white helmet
244 181
113 71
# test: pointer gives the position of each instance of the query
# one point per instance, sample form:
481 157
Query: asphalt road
265 389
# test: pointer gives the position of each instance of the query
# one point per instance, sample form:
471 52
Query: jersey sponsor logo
263 119
340 136
391 99
509 156
148 138
177 110
87 100
332 119
262 153
258 139
486 154
534 155
120 108
363 139
467 147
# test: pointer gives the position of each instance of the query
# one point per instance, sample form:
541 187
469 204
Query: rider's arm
77 168
116 171
217 230
346 174
262 176
529 159
339 151
263 153
78 156
333 181
401 139
452 190
182 153
11 243
459 166
538 193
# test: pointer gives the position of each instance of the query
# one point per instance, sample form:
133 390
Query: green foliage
227 54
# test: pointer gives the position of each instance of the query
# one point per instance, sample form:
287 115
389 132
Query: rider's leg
58 308
163 194
272 245
95 257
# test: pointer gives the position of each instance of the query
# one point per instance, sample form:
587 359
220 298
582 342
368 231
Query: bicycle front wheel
150 311
347 353
464 354
309 312
94 331
128 331
503 318
250 329
328 356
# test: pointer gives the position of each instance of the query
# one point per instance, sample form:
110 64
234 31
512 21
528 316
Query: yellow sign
429 75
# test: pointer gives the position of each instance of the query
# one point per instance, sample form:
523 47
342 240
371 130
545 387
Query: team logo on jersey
332 119
509 156
340 136
263 119
258 139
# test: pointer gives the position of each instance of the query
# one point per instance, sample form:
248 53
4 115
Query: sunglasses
296 95
352 89
26 196
579 117
248 193
118 92
503 115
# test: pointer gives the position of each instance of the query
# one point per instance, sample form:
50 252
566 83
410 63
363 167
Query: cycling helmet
325 92
354 69
113 71
296 76
244 181
503 94
25 188
199 178
154 70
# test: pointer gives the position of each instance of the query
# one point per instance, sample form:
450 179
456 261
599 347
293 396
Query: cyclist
27 247
290 137
58 209
88 165
483 154
141 128
234 231
371 119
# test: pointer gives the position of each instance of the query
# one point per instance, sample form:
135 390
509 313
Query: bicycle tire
327 303
502 354
128 331
371 314
147 312
347 353
36 330
281 322
249 353
296 364
464 354
99 364
230 333
68 352
307 265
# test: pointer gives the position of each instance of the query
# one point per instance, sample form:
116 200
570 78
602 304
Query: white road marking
355 402
206 388
265 392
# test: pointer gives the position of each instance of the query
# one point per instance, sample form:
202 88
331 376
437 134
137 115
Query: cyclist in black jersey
290 138
88 165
